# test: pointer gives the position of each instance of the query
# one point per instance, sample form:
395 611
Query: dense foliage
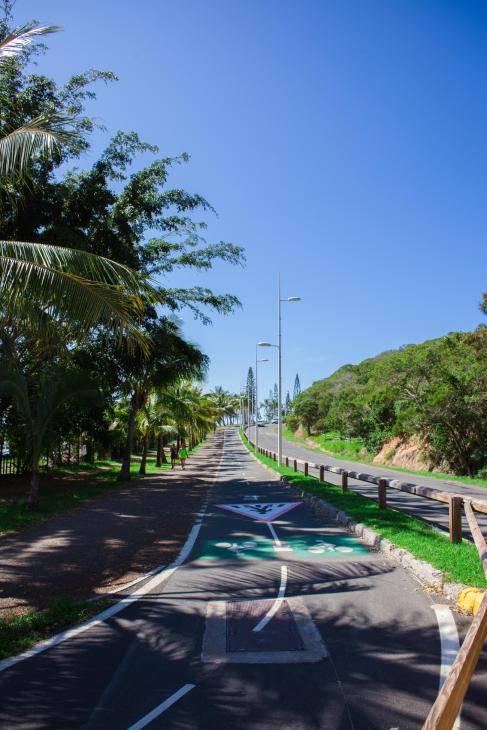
69 384
436 391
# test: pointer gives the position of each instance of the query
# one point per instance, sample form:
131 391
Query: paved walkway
428 510
276 620
108 541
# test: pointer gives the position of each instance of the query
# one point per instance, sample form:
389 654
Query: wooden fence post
305 468
287 460
295 465
455 515
344 481
322 473
382 493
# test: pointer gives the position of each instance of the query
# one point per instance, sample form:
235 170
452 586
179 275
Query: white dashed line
162 707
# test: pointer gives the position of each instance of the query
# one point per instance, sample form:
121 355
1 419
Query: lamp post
279 369
257 398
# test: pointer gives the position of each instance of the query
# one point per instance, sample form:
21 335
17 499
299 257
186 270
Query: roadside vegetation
354 450
93 362
434 394
459 562
20 632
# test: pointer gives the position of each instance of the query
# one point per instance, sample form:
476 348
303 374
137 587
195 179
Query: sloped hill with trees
434 392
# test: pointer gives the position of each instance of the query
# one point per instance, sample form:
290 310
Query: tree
87 289
38 410
287 407
297 387
306 409
250 390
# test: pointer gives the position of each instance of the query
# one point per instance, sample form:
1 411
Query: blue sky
343 144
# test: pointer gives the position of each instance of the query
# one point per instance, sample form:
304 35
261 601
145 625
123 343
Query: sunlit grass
101 476
353 450
460 562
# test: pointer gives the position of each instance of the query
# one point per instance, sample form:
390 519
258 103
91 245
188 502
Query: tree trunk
144 456
138 399
33 493
159 449
90 455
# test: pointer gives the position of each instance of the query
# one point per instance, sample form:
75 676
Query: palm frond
85 289
20 38
42 135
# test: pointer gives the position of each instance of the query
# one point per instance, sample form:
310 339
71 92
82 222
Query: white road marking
162 707
161 577
450 645
278 546
277 603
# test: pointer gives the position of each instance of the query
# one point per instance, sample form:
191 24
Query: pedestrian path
298 626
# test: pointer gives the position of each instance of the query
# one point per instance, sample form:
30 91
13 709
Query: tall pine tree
297 387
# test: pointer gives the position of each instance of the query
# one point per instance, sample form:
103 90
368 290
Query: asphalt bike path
277 619
436 513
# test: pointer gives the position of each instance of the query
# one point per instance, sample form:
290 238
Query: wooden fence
447 705
454 501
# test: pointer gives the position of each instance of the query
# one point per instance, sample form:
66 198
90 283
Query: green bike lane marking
316 547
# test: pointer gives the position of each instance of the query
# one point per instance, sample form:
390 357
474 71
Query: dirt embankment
411 454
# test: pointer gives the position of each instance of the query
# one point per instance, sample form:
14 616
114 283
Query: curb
466 598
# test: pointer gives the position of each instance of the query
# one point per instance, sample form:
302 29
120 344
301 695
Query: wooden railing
447 705
454 501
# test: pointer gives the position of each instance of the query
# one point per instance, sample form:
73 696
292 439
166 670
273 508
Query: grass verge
19 633
460 562
63 493
351 451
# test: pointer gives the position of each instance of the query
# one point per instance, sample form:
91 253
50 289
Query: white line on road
278 546
450 644
162 707
277 603
156 582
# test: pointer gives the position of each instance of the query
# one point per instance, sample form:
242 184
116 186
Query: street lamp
279 349
257 399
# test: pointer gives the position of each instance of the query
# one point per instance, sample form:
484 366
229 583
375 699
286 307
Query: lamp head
294 299
264 344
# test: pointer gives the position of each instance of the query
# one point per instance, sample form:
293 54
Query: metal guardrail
449 701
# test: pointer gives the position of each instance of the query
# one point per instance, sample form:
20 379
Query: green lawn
459 562
19 633
89 480
350 450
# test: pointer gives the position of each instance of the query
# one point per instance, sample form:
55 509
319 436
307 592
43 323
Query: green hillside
435 391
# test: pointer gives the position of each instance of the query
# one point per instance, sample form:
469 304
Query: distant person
183 454
174 455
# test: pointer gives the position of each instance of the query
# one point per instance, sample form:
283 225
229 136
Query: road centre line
161 577
450 645
277 603
162 707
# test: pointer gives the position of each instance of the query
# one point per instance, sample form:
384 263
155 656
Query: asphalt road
350 642
429 510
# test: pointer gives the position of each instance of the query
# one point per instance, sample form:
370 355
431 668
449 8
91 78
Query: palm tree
36 279
53 393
